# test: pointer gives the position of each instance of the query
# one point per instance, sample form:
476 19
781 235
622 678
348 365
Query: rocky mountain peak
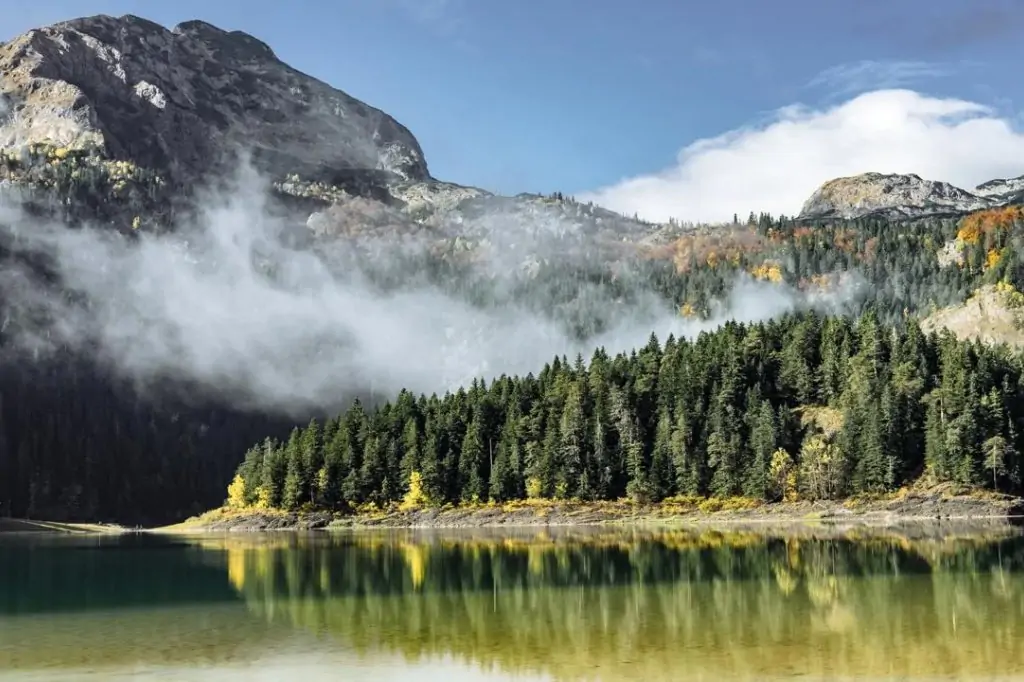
180 101
237 44
893 196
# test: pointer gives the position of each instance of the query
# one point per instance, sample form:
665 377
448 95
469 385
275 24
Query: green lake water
519 605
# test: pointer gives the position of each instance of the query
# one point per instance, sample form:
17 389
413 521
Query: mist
226 303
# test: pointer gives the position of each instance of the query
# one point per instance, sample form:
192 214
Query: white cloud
776 165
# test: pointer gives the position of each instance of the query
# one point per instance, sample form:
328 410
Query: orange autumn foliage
845 240
973 226
723 245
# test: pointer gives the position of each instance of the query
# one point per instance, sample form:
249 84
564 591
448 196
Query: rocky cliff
179 101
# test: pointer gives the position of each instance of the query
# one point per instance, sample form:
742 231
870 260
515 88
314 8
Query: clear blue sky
524 95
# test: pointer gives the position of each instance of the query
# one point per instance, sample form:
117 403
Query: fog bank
226 303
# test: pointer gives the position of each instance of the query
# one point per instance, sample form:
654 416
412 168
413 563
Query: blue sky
578 95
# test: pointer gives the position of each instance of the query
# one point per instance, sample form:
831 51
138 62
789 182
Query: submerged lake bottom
572 604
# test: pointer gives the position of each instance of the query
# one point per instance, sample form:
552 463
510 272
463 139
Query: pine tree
312 458
332 473
572 444
662 470
433 475
763 442
686 459
872 472
411 449
293 494
506 474
936 447
473 470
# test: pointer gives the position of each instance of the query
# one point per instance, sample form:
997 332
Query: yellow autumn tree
782 476
236 493
992 258
533 488
821 465
768 271
415 497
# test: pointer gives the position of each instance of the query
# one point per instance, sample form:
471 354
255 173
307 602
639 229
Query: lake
568 605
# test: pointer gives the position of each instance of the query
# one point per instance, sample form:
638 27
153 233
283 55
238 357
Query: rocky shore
943 507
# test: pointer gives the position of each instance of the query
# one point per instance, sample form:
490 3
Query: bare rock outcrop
893 197
180 101
994 314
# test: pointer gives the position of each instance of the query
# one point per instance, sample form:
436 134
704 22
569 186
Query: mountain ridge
179 103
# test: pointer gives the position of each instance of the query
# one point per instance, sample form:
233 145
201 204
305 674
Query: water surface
526 605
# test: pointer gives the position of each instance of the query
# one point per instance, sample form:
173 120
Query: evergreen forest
804 407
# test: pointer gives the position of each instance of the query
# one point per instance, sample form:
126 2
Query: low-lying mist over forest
244 301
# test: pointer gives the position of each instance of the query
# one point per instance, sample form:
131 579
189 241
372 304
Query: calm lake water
527 605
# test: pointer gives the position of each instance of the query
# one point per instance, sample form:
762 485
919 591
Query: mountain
904 197
138 114
180 101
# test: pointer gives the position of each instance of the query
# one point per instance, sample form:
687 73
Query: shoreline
975 509
13 526
934 509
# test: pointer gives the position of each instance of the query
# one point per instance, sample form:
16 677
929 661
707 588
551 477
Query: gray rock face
178 100
894 197
1002 189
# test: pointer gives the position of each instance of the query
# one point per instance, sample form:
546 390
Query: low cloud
776 165
223 302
